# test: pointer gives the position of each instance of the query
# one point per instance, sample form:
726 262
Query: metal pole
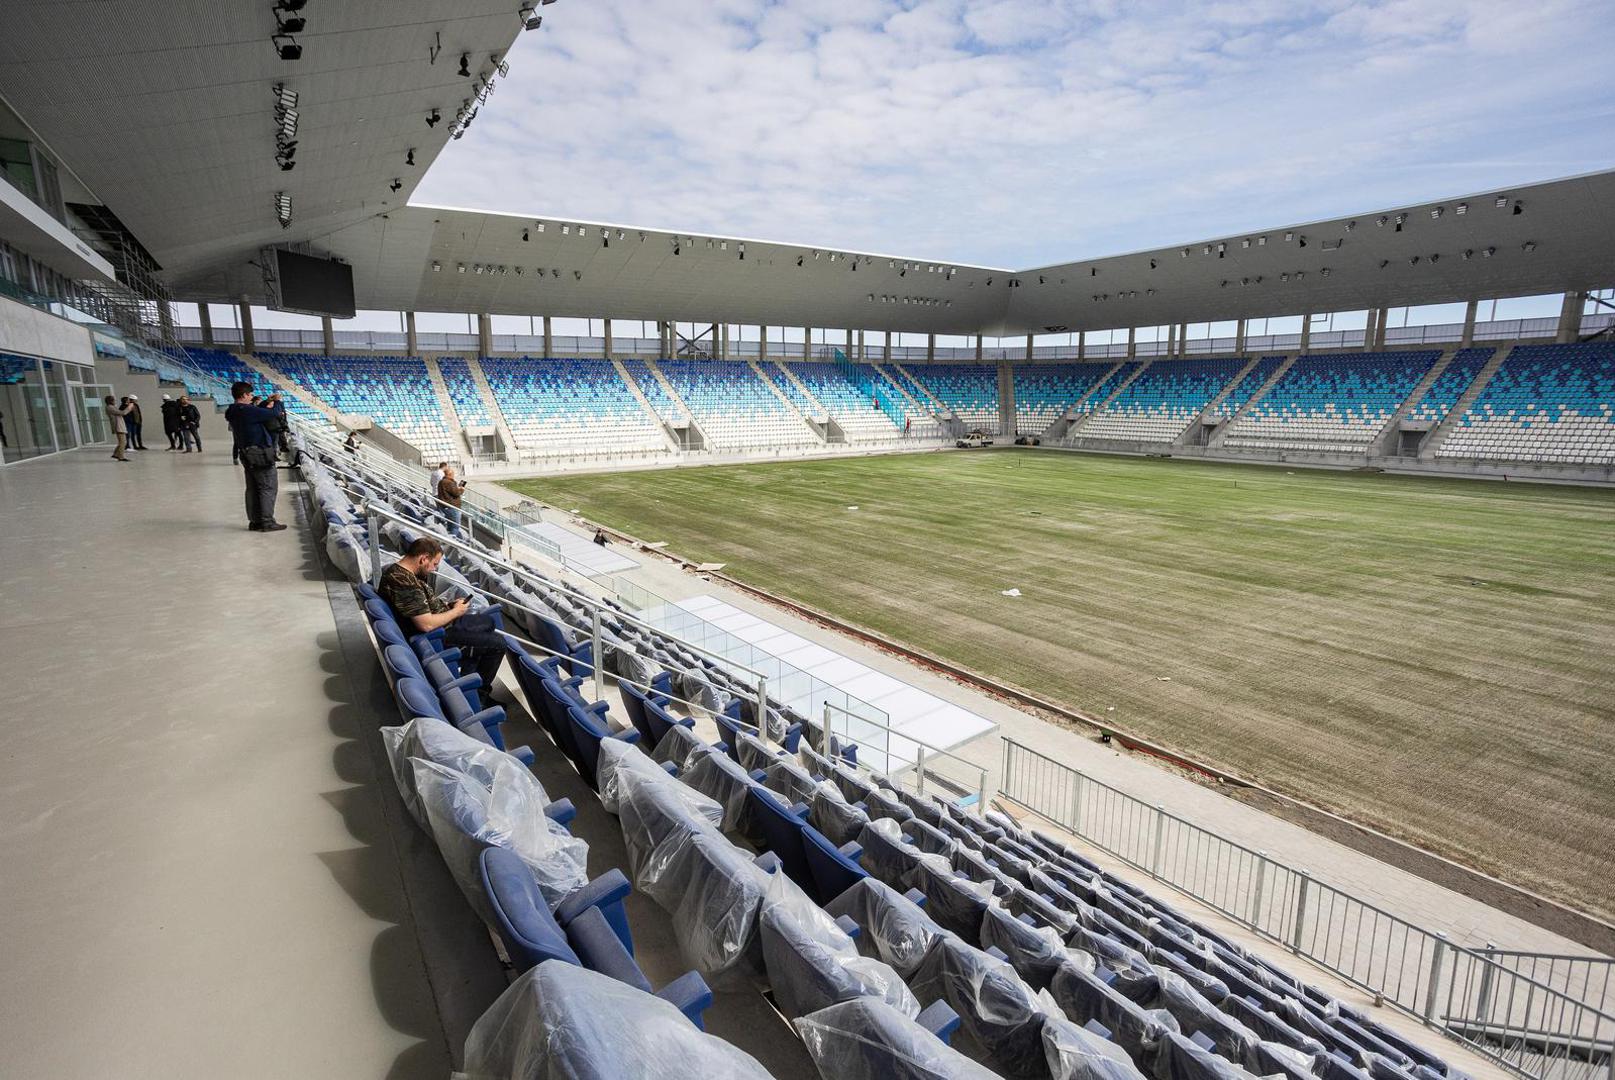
762 711
1436 957
1160 831
826 747
919 772
981 796
1261 887
374 525
1079 789
599 665
1483 1000
1300 911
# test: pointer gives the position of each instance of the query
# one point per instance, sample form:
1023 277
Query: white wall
33 332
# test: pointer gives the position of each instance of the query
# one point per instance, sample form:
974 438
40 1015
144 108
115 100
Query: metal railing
1503 1012
920 763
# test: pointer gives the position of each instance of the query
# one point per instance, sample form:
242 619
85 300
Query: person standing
352 445
120 433
255 442
437 476
449 493
190 425
135 421
170 411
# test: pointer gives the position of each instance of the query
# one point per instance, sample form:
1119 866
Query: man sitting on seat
404 586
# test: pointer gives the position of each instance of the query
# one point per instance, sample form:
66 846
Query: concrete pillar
1183 339
412 341
1132 344
861 353
1028 348
930 348
248 342
1082 344
1239 338
762 343
888 354
723 341
1468 337
807 342
1306 333
207 324
1570 316
1379 328
327 335
606 323
549 339
485 334
1006 393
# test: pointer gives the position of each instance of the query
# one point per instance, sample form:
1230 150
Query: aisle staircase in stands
1261 392
1075 430
639 396
820 432
1186 436
1062 424
1438 435
289 386
445 403
937 405
491 404
1385 442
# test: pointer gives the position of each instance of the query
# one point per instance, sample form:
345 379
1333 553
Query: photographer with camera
255 428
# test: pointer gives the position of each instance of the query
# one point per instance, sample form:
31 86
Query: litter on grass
1010 592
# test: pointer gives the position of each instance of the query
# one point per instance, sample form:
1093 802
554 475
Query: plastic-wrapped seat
1002 1016
890 857
589 728
833 869
1084 1053
1035 952
781 828
811 959
716 776
464 751
1083 994
866 1037
563 1022
955 902
834 816
894 927
1170 1055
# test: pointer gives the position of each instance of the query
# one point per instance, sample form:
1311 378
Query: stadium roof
167 112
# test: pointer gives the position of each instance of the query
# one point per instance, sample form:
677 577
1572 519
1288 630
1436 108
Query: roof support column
327 334
930 348
1570 316
807 342
1028 348
247 341
1082 344
1132 343
1306 333
412 341
1006 393
606 323
485 334
723 329
888 353
1171 340
549 340
762 343
1183 339
1239 338
207 324
1468 337
861 352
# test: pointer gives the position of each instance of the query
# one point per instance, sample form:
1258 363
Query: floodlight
433 117
1519 208
1435 214
465 65
1502 201
525 237
1461 208
287 47
294 25
1529 246
396 184
286 98
437 267
531 19
409 158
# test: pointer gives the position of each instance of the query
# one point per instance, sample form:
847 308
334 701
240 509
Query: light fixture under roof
287 47
460 267
1461 208
1436 212
437 267
531 19
1528 247
1502 202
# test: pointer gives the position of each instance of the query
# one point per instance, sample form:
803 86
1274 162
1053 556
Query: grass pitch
1435 658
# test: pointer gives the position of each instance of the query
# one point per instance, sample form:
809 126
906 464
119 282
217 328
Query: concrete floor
191 877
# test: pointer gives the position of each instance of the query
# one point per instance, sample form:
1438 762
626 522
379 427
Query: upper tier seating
1546 403
570 406
468 404
231 368
1102 392
851 408
394 391
1043 392
1331 402
733 407
1162 401
655 393
1253 381
970 390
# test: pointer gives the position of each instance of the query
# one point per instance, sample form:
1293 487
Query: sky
1017 133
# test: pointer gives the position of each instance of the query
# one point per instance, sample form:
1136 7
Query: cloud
1025 132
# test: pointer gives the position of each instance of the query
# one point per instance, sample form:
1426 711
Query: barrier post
374 525
1300 911
762 711
599 659
1430 995
1483 1002
1079 788
826 748
1160 831
919 772
1261 887
981 797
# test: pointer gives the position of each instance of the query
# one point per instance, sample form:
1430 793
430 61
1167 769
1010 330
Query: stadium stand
655 393
1546 403
394 391
463 392
1164 399
1253 381
958 939
1108 386
970 390
858 416
733 407
1043 392
1449 386
1331 403
560 407
230 368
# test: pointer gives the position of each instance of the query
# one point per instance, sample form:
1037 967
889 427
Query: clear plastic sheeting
1083 996
868 1038
623 765
677 746
349 551
789 781
753 753
893 859
715 775
563 1022
1035 952
1231 1039
834 816
812 963
465 817
996 1008
1169 1055
427 738
895 929
1075 1053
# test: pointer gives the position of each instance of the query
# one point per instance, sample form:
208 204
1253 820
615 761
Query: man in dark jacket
254 428
170 409
134 420
190 425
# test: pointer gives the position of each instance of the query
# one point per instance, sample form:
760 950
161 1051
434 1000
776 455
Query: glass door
93 414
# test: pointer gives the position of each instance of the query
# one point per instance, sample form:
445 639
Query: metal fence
1499 1009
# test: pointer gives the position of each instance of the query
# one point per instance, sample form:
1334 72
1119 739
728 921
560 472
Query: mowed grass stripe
1431 657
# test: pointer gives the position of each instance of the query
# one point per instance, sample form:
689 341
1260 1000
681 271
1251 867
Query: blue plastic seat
588 728
832 870
782 830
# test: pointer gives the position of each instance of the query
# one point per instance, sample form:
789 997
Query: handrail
917 766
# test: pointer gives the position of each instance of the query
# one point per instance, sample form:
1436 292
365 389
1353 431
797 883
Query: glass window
17 165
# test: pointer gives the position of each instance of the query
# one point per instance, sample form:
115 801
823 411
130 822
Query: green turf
1433 657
